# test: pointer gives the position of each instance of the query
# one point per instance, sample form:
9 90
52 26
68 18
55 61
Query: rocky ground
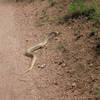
71 61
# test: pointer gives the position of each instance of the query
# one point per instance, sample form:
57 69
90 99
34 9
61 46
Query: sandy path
11 58
17 32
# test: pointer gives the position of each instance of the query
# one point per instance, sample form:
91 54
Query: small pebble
60 63
69 27
74 85
56 83
63 65
42 66
27 40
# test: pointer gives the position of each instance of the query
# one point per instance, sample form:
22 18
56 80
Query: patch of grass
97 90
61 47
75 6
81 7
39 23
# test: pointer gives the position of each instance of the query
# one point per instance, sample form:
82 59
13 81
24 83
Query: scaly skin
30 52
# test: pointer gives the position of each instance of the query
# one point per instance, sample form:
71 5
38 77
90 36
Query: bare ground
72 70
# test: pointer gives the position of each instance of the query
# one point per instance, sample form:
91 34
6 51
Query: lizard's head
53 34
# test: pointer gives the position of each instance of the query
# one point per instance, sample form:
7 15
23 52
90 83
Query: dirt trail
17 33
11 57
65 58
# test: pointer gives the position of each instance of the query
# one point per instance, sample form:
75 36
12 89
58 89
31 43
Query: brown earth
72 64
